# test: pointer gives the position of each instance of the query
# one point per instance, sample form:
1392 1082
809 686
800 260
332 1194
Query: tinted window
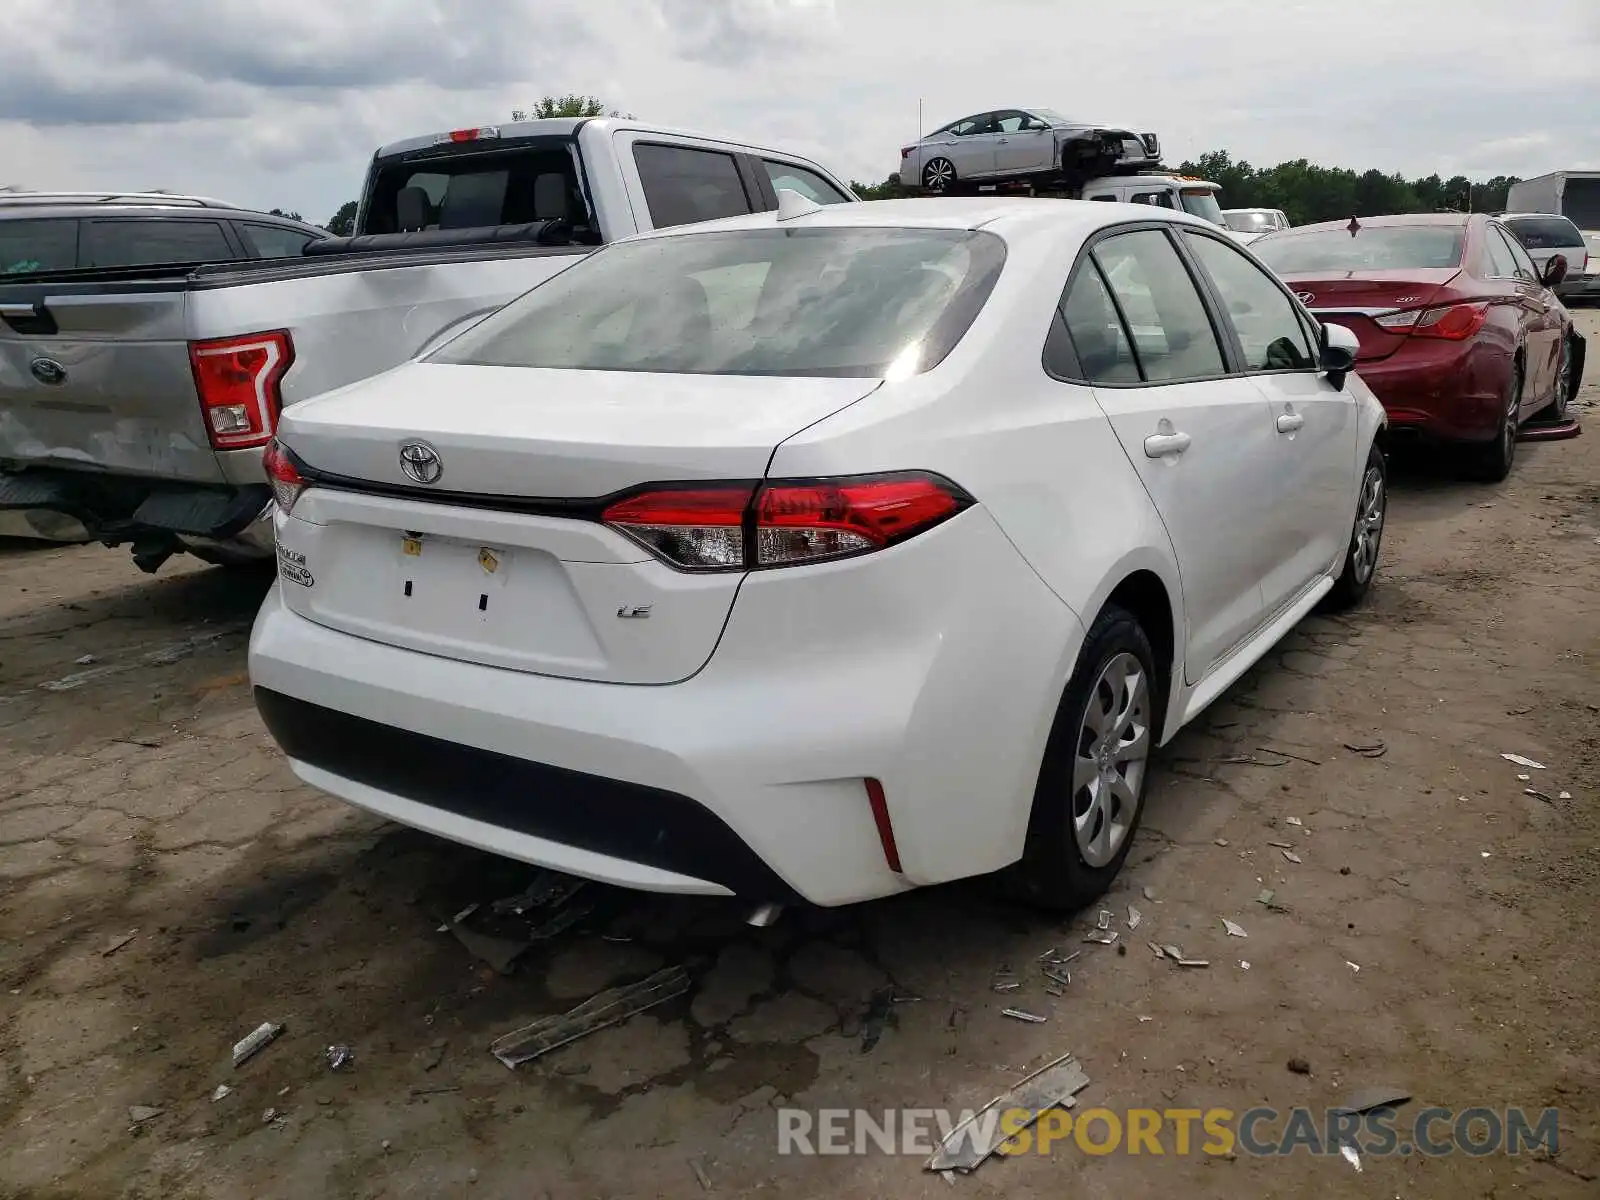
1010 122
1160 199
27 247
808 183
842 302
683 185
1166 319
274 241
1103 353
1373 248
153 242
1545 233
1266 320
1502 264
468 190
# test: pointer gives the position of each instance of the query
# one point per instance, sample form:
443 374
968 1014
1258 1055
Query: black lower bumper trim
121 508
630 821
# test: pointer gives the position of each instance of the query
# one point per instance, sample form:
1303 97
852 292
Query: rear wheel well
1144 596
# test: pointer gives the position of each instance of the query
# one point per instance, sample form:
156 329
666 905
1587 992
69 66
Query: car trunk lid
1356 299
503 559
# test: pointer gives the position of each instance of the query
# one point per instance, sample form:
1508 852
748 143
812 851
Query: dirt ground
139 795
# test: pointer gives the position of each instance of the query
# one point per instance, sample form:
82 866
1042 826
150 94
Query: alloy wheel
1369 526
938 175
1112 753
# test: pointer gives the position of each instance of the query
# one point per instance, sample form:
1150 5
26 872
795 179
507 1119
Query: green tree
343 222
889 189
278 212
1308 192
565 106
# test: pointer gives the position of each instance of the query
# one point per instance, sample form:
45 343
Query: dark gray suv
63 231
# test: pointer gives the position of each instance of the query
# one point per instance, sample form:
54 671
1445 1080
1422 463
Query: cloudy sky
281 103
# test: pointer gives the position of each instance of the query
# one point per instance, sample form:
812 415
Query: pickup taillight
237 380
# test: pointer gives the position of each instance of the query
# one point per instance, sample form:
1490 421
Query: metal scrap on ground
1367 1099
1524 762
1053 1085
1367 749
251 1044
598 1012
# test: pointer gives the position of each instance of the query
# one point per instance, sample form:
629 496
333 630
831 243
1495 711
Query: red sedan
1462 337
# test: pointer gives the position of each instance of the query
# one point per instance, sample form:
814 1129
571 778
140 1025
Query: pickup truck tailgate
96 376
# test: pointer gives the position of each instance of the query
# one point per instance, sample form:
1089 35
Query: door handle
1159 445
1003 141
1289 422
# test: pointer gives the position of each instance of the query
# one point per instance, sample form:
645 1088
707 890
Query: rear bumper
1440 389
118 509
936 671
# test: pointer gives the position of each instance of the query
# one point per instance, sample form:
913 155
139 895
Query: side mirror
1554 271
1339 350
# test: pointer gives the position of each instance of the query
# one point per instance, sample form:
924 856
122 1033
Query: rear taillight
1454 322
237 380
779 523
286 480
905 151
476 134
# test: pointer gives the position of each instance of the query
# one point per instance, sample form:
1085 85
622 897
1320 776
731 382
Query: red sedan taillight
1453 322
779 523
905 151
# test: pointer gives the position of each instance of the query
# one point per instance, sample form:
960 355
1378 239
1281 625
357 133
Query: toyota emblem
48 372
420 462
1305 297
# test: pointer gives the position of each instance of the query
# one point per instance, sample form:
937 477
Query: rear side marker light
778 523
237 380
285 478
880 816
1454 322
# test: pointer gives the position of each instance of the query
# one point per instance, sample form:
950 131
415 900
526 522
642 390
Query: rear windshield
514 186
28 247
1250 221
841 302
1202 202
1373 248
1544 233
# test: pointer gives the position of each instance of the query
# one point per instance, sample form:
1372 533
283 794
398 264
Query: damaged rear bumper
159 519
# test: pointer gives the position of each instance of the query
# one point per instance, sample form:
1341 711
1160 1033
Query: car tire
938 174
1366 535
1491 461
1561 403
1079 836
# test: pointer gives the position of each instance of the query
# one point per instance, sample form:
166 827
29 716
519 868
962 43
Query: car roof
1388 220
17 212
1010 216
1519 216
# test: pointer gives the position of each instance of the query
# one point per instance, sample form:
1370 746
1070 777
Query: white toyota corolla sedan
821 554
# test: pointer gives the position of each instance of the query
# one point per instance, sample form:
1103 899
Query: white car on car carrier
819 554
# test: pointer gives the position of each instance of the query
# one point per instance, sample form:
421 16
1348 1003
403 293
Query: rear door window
1101 344
1545 233
274 241
808 183
1166 318
683 185
154 241
29 247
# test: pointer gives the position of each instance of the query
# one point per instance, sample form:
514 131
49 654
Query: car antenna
792 204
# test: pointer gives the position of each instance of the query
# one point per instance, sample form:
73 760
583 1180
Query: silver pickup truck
138 400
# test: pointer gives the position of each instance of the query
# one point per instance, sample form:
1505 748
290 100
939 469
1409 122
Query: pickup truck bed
138 400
